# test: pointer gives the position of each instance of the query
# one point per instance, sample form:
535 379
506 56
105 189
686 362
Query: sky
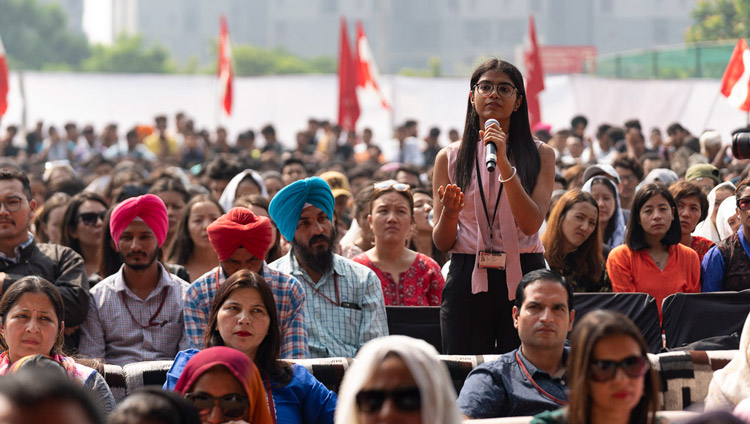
97 21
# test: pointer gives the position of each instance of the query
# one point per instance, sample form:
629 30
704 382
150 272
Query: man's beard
319 260
140 267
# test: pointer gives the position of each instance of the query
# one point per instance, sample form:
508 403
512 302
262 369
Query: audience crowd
234 259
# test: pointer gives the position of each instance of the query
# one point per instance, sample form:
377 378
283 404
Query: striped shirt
345 308
114 327
290 303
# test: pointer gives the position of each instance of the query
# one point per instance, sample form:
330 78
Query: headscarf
618 235
241 367
230 191
727 208
149 208
288 203
706 228
422 360
240 228
731 384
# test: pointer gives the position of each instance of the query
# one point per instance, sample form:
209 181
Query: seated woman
707 228
191 247
31 311
48 218
82 225
609 375
611 218
397 379
174 195
727 221
224 386
422 240
573 243
243 316
258 204
245 183
729 385
408 278
652 260
692 208
359 237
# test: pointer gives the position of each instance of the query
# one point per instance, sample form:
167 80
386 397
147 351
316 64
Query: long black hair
522 151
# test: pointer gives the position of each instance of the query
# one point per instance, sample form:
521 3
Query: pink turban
240 228
149 208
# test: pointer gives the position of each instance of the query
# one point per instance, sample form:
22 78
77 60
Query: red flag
3 80
225 67
534 76
735 84
348 104
367 72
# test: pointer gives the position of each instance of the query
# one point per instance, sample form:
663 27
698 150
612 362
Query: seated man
136 314
530 379
344 305
726 266
241 240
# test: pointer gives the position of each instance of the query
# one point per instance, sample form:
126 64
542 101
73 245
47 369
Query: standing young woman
652 260
408 278
486 223
573 242
609 375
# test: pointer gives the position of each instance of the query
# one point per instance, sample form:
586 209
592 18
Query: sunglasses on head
232 405
384 185
743 204
90 218
407 399
633 366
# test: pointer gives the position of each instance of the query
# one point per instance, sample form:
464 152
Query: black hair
542 275
10 173
635 237
633 123
579 119
601 130
629 163
222 168
154 405
292 161
521 149
672 128
70 218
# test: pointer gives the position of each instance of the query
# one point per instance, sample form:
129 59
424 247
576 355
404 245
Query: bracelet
500 177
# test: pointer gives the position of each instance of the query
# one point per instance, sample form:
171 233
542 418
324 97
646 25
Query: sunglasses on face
633 366
406 399
384 185
743 204
90 218
232 405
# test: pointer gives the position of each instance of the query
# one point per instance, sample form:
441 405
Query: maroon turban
149 208
240 228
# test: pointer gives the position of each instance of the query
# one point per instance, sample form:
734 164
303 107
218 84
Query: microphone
490 148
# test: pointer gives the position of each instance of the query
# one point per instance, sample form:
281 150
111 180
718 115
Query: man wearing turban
241 240
136 314
344 305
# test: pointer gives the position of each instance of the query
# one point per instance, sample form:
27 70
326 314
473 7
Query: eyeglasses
633 366
90 218
12 204
406 399
503 89
744 204
385 185
232 405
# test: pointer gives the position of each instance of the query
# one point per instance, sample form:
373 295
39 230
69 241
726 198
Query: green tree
129 55
37 36
720 20
252 61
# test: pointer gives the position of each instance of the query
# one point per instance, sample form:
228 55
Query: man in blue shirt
726 266
532 378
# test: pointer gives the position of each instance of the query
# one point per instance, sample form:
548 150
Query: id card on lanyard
489 259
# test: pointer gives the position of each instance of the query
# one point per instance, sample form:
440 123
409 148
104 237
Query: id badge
492 260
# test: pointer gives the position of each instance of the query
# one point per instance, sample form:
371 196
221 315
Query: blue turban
288 203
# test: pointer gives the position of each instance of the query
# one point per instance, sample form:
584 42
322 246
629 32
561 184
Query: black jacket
63 267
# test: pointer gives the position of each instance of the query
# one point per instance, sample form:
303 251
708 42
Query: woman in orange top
652 260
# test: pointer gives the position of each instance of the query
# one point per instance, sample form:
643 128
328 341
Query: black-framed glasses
232 405
406 399
385 185
633 366
503 89
743 204
12 204
90 218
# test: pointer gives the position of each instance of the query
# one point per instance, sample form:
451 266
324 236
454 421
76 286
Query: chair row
687 318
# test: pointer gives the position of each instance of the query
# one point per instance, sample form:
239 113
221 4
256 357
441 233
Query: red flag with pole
4 82
348 103
225 67
735 84
368 76
534 76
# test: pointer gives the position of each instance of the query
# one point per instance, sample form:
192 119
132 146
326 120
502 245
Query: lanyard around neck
536 386
484 202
